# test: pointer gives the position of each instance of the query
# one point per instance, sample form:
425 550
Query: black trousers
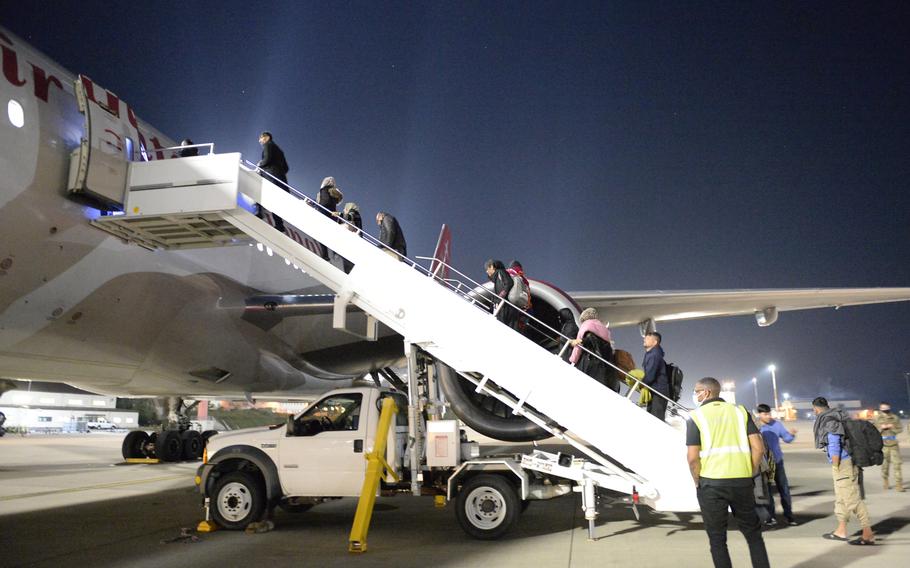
279 222
714 501
783 489
658 406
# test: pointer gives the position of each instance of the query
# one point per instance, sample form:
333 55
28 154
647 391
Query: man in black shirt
273 163
724 452
390 233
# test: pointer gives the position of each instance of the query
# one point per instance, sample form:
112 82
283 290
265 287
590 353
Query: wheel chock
207 527
439 501
142 460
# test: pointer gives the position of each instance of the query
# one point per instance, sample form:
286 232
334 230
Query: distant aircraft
80 306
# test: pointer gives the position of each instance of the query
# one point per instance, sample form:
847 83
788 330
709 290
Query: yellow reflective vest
725 451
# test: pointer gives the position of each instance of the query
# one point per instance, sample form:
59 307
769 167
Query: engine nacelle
486 414
766 316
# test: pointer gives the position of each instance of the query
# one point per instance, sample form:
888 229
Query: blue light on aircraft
246 203
90 213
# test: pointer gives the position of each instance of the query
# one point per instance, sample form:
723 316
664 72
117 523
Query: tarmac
68 501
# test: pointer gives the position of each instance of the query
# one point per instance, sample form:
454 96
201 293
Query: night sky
608 146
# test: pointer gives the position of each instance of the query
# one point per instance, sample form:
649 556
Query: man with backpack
830 431
655 374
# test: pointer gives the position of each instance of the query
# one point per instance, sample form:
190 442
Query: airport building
59 408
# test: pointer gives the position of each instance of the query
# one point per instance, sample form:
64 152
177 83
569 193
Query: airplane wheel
192 445
169 446
238 500
488 506
134 444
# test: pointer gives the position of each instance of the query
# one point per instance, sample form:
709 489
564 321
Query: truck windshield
338 412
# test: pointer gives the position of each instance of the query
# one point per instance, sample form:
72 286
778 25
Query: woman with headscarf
595 337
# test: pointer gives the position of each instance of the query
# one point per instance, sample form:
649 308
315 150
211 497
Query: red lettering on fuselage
157 144
11 64
113 102
43 82
131 116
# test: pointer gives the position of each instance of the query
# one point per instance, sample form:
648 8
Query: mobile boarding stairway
206 201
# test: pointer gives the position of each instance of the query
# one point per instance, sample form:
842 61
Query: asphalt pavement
67 501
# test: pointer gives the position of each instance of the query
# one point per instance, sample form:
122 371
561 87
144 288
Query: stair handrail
254 168
676 406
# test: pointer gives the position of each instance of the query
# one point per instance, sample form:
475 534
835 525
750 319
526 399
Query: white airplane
82 307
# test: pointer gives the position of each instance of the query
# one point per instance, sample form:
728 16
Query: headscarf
594 326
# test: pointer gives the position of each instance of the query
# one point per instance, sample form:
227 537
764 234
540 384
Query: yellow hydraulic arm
376 465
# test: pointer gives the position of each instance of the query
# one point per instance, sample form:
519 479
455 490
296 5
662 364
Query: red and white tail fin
443 253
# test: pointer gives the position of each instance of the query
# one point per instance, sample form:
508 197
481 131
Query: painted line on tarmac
91 487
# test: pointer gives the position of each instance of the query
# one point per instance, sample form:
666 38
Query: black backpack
864 443
675 379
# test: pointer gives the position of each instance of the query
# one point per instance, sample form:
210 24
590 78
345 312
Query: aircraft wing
631 308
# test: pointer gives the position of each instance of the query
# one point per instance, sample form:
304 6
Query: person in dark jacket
273 160
328 199
568 328
187 152
273 163
596 338
329 196
351 214
502 285
656 374
390 233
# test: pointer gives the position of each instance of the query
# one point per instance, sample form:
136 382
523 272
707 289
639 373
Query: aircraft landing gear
175 443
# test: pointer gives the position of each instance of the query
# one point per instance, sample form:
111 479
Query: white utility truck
319 455
99 423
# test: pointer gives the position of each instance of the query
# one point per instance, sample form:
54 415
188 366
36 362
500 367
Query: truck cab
316 455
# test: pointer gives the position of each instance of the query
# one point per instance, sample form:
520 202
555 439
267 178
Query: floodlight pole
774 386
755 389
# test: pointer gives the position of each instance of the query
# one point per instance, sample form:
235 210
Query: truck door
324 455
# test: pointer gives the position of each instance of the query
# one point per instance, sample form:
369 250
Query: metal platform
173 232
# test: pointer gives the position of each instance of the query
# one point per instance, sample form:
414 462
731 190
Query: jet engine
486 414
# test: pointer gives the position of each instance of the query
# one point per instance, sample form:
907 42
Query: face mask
695 400
886 410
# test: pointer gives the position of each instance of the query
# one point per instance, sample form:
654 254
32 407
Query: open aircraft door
99 166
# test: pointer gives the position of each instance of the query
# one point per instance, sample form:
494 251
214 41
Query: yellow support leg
376 465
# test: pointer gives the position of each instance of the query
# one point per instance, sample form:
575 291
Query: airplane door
324 456
98 167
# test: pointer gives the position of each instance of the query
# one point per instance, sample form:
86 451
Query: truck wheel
488 506
169 446
239 499
192 445
134 444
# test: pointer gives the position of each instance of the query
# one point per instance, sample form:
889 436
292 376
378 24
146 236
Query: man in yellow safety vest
725 450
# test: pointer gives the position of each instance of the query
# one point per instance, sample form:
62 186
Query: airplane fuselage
81 307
